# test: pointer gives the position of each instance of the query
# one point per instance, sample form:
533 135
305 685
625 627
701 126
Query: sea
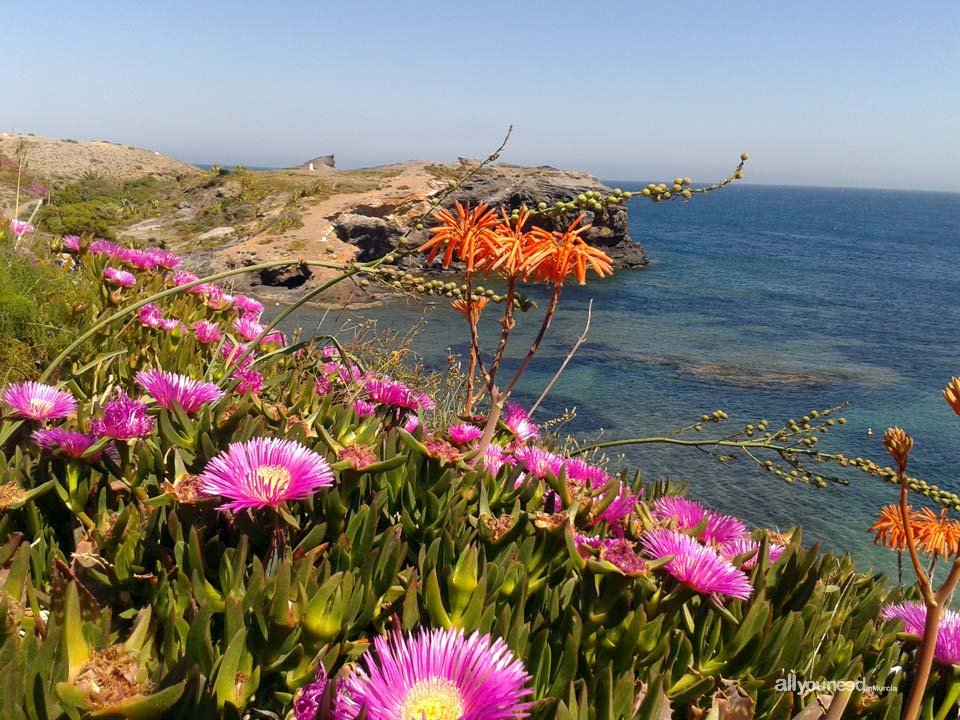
767 303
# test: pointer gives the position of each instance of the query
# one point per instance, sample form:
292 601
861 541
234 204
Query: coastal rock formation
321 161
373 236
511 186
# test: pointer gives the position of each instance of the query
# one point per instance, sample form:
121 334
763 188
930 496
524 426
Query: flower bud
951 393
898 443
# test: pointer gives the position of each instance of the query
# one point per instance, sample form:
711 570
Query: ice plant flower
743 546
518 422
247 327
120 278
123 419
150 315
37 401
207 331
69 443
170 324
105 247
307 700
215 297
274 337
619 508
20 227
322 385
232 353
494 458
914 616
265 472
169 388
71 242
181 277
385 391
250 381
697 566
363 408
439 675
411 423
539 461
688 514
163 258
464 433
248 306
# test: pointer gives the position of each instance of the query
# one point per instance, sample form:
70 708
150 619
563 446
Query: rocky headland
222 219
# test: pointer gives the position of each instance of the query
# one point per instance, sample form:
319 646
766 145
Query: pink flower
123 419
519 423
232 353
120 278
104 247
137 258
250 381
71 444
248 328
696 566
914 616
265 472
437 674
207 331
36 401
71 242
386 391
274 337
164 258
248 306
618 552
20 227
464 433
216 298
322 385
411 423
688 514
170 325
620 507
169 388
538 461
363 408
306 703
184 278
150 315
493 459
744 545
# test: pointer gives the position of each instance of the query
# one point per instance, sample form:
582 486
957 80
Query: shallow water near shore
767 302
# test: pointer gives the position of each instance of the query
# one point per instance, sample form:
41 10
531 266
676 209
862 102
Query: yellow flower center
40 407
432 699
274 479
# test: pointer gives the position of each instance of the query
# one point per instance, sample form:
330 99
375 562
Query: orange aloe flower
951 393
476 307
566 253
463 234
508 248
937 535
889 527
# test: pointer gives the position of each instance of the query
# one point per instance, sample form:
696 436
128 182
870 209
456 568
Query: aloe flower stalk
265 472
167 388
36 401
437 674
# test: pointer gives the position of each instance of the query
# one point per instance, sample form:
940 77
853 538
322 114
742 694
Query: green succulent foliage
127 594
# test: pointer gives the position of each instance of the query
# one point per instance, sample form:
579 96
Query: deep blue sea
766 302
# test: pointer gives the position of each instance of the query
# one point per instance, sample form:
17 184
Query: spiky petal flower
247 327
168 388
493 459
71 243
620 507
232 354
69 443
150 315
171 325
20 227
437 674
123 419
519 423
248 306
751 548
539 461
914 617
386 391
464 433
322 385
363 408
951 393
105 247
250 381
37 401
164 258
688 514
265 472
696 566
120 278
307 700
207 331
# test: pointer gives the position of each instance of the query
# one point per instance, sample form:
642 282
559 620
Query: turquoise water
767 302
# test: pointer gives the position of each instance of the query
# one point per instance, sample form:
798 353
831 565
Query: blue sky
825 93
